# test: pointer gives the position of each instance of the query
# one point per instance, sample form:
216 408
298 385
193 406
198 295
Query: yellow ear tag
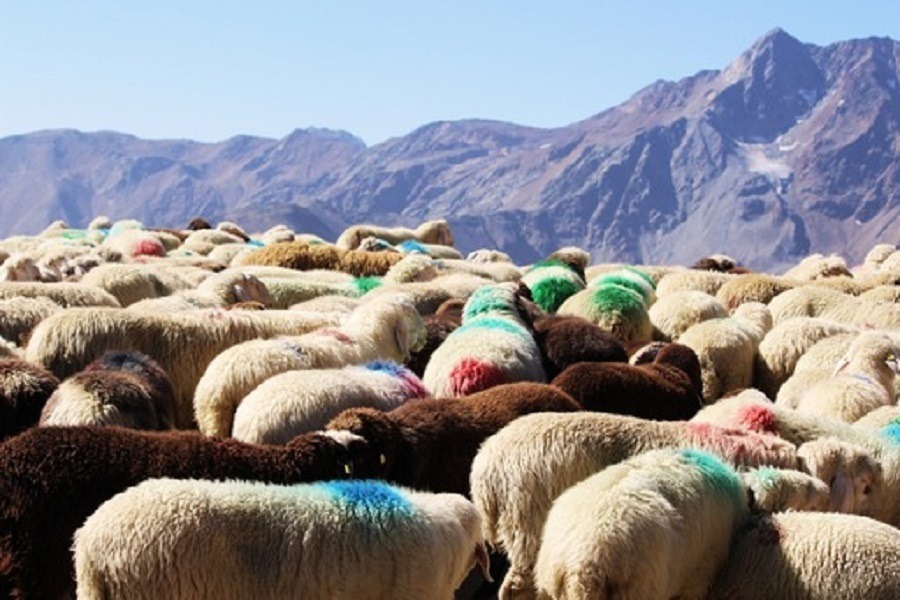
348 470
382 458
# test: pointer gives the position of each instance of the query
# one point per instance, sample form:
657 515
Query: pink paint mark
760 419
149 248
472 375
414 385
336 334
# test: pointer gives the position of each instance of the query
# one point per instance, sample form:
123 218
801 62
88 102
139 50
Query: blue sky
210 70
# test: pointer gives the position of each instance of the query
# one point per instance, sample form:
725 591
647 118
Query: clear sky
208 70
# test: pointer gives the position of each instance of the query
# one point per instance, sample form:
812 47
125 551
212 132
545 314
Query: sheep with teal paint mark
551 283
494 345
654 526
521 469
296 402
776 490
180 539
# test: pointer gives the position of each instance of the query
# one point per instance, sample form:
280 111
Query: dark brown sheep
304 257
198 223
149 371
566 340
52 479
430 444
24 390
437 328
667 389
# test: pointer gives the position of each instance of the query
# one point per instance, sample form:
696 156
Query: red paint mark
757 418
149 248
471 375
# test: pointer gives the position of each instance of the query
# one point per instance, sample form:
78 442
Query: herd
211 413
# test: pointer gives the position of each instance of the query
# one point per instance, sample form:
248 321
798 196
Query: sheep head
853 475
382 436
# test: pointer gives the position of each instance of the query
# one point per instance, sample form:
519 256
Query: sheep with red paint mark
494 345
520 470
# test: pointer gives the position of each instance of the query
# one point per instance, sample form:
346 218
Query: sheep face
854 477
383 440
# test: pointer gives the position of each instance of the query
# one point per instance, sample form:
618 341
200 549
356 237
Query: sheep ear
484 561
401 336
241 293
840 365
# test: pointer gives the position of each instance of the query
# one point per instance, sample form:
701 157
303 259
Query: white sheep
486 255
879 418
811 555
64 293
130 283
727 348
708 282
493 346
520 470
617 309
19 315
818 266
431 232
289 404
219 290
674 313
777 490
785 344
655 526
21 267
180 539
182 343
861 382
855 477
388 328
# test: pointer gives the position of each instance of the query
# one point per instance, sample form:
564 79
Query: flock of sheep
203 413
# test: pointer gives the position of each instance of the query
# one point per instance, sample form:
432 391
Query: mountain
790 149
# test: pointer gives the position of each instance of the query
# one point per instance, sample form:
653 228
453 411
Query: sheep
429 295
551 283
862 381
24 390
21 267
19 315
882 293
53 478
385 329
430 232
228 252
430 444
433 250
338 539
708 282
100 222
654 526
203 241
633 279
437 328
183 344
577 258
64 294
328 304
818 266
784 345
233 229
619 310
132 243
674 313
520 470
220 290
752 287
486 255
295 402
498 272
804 301
128 389
879 418
564 341
716 262
776 490
877 255
494 345
304 257
668 388
811 555
855 477
727 348
818 301
130 283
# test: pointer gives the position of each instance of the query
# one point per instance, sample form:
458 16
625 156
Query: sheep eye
382 458
867 490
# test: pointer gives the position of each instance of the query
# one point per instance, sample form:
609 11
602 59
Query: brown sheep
24 390
566 340
303 257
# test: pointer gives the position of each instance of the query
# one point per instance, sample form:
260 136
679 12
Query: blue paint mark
410 246
369 496
721 477
891 432
257 243
387 367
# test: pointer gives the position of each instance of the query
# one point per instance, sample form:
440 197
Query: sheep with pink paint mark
494 345
295 402
519 471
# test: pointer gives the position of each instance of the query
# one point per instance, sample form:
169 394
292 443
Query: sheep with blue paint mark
386 328
494 345
291 403
520 470
655 526
183 539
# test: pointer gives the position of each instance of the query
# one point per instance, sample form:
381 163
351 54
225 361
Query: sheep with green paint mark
180 539
494 345
655 526
616 309
551 282
776 490
633 279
